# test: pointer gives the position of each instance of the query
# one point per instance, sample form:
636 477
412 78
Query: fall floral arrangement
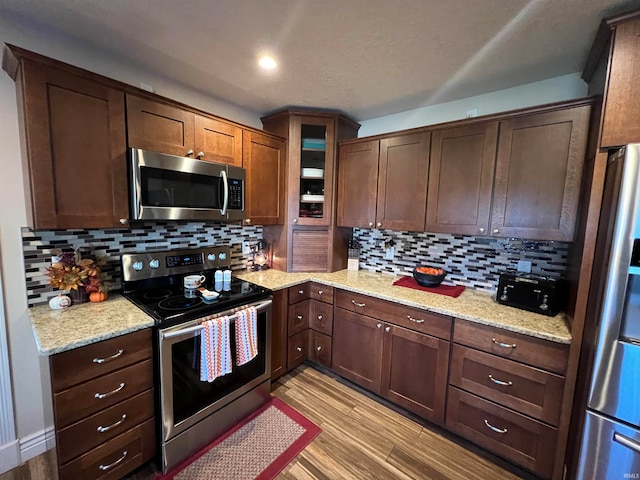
71 273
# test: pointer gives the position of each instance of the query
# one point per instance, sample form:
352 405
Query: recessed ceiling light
267 62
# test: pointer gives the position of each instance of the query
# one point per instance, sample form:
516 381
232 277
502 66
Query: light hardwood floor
360 439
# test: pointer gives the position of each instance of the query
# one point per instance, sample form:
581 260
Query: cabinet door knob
387 329
189 153
298 349
319 347
481 230
320 317
300 317
301 292
123 221
496 231
320 292
295 220
379 325
371 224
248 220
379 224
200 155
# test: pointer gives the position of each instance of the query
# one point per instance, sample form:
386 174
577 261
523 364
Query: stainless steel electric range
192 412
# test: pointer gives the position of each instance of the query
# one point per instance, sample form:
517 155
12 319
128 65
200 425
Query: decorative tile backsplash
471 261
109 245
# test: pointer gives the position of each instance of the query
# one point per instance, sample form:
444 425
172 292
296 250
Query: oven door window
190 395
170 188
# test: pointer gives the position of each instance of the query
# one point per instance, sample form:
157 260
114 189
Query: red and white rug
258 448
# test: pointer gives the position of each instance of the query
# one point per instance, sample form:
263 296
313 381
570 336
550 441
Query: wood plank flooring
360 439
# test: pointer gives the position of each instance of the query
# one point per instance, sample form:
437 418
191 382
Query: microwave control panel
235 194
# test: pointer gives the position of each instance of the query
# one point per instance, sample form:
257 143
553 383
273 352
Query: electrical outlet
389 253
246 248
524 266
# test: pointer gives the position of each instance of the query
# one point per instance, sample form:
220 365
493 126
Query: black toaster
536 293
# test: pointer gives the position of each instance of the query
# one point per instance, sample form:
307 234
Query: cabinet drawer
521 439
324 293
75 366
320 348
298 317
321 317
515 346
298 349
103 426
82 400
117 457
401 315
526 389
298 293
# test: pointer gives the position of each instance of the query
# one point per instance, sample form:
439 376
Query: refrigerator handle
626 442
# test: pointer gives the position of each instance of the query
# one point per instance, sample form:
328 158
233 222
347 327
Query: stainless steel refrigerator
610 448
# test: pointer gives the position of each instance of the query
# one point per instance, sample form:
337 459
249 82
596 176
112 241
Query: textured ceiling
368 58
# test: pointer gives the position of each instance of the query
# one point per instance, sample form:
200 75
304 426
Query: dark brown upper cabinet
538 174
383 183
461 179
74 145
165 128
264 161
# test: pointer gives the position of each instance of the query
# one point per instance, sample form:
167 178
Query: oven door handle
260 307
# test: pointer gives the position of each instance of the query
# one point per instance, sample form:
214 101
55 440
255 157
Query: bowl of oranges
429 276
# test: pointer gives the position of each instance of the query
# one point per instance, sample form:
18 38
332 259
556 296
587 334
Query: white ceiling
367 58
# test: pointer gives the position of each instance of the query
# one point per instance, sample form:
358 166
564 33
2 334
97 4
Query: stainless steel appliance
611 438
167 187
192 412
528 291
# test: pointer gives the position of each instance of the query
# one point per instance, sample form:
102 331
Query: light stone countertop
473 305
60 330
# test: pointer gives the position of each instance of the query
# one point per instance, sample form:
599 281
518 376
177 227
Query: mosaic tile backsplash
471 261
109 245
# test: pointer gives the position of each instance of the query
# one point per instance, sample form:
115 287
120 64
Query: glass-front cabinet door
313 160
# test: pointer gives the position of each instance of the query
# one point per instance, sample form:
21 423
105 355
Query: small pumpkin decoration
97 297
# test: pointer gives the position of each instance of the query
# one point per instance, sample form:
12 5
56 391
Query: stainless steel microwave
167 187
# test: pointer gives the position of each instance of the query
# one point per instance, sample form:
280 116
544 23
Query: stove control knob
211 257
222 256
137 266
154 263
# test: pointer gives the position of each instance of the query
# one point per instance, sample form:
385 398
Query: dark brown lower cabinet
320 348
523 440
298 348
407 367
279 343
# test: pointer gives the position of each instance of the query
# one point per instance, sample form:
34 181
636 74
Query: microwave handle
225 182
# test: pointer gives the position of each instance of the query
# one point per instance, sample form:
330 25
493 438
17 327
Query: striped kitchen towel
215 351
246 335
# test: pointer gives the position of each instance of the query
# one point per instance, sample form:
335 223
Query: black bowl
427 280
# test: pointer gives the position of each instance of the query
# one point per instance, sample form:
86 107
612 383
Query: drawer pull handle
102 429
111 465
626 442
420 320
107 359
495 429
502 344
357 304
108 394
500 382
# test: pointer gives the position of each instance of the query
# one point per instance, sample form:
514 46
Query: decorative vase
79 296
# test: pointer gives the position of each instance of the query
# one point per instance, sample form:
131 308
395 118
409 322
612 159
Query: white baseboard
37 443
9 456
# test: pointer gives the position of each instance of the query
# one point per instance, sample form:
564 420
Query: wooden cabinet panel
514 346
518 438
357 348
621 119
84 363
321 317
298 317
279 339
320 348
526 389
402 182
82 436
324 293
298 349
358 184
217 141
414 371
117 457
538 174
461 179
97 394
309 250
75 143
160 127
299 292
265 193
